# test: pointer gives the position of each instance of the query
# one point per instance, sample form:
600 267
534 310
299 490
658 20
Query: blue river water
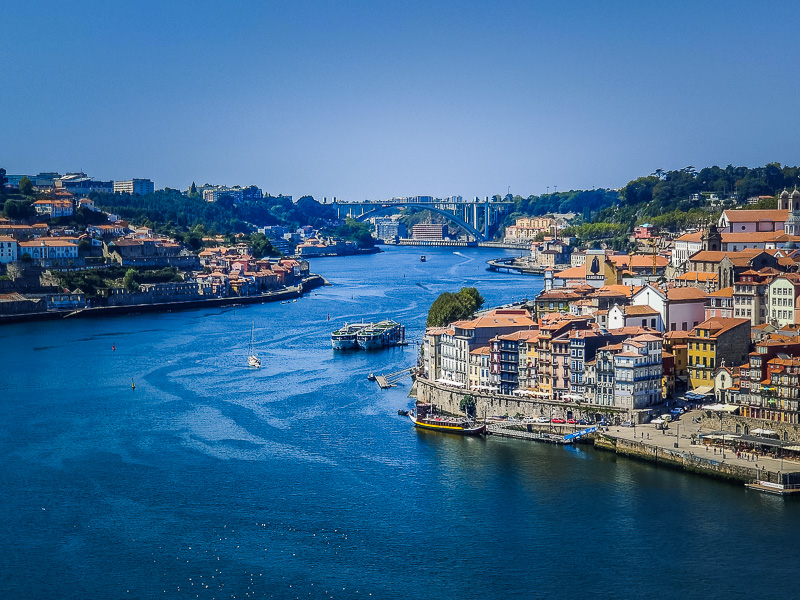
299 480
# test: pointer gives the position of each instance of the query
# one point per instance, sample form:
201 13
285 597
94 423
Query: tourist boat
252 359
422 258
345 338
381 335
424 418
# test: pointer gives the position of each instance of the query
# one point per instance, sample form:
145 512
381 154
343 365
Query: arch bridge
466 215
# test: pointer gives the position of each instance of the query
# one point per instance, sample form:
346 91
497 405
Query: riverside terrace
749 457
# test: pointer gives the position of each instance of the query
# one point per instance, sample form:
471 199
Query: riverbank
309 283
688 446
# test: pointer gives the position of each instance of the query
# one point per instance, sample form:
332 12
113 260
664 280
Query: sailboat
253 360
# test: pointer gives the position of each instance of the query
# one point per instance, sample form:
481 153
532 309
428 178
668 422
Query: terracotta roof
751 216
719 325
697 276
481 350
640 309
685 294
572 273
690 237
723 293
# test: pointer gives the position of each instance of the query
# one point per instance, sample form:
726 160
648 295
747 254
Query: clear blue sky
377 99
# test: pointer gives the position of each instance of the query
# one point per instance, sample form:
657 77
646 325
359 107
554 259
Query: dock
390 379
512 430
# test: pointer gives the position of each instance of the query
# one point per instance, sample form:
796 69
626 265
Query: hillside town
32 254
706 317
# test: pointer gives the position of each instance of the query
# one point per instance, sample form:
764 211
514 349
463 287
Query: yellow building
713 341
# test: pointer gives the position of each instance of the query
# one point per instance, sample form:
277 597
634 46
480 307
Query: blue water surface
299 480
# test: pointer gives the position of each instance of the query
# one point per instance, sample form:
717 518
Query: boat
422 258
381 335
425 418
252 359
345 338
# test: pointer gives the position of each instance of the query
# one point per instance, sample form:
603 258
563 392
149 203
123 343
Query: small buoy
113 347
133 385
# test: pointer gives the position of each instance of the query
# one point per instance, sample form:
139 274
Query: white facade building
134 186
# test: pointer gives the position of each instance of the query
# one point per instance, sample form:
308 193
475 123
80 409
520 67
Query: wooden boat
424 419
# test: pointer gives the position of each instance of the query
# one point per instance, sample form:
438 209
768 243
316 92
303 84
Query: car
542 420
582 422
627 424
572 421
559 421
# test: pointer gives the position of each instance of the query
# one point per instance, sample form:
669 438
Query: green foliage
169 211
3 182
467 405
114 275
25 186
355 231
16 209
129 281
449 307
261 246
596 231
193 193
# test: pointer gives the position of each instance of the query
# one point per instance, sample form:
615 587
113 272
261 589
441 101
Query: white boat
253 360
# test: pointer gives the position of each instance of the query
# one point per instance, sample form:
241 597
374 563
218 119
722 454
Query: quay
514 265
289 293
686 445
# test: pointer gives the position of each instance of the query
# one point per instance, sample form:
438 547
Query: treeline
170 209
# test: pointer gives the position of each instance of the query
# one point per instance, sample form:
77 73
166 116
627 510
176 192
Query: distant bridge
470 215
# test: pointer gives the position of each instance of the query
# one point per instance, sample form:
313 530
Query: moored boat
380 335
422 258
345 338
424 419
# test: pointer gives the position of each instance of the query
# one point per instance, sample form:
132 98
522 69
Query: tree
449 307
467 405
3 182
129 281
25 187
193 193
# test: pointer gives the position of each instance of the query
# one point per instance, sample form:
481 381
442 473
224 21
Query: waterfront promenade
684 431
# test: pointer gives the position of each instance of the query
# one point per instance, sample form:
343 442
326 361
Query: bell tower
792 224
711 239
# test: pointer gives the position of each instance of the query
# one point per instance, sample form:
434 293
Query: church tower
711 239
792 224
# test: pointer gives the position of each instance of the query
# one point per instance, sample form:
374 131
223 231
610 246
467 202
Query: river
299 480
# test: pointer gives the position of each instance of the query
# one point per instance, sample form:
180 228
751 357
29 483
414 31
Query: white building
8 249
782 295
134 186
637 372
215 193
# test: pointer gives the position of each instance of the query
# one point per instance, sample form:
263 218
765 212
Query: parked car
582 422
559 421
627 424
572 421
542 420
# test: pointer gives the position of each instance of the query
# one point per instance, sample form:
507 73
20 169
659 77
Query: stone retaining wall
710 420
448 399
683 459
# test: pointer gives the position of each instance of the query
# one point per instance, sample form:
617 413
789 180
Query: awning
763 432
703 390
728 408
449 382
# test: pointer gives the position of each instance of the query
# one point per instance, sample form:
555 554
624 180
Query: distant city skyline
361 100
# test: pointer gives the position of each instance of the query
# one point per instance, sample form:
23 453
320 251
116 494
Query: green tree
129 281
25 187
3 182
450 307
467 405
193 193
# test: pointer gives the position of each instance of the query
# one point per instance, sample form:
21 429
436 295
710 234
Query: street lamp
723 435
